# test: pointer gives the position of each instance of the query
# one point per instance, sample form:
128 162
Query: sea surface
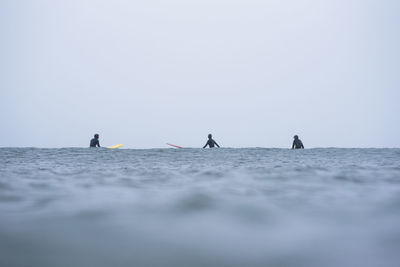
74 207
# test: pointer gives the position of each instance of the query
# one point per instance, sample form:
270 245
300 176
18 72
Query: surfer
297 143
95 141
210 142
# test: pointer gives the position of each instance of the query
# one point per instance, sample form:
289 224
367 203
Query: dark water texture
199 207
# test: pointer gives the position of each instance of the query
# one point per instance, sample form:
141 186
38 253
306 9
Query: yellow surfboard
116 146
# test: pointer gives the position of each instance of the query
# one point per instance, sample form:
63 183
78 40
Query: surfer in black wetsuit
210 142
297 143
95 141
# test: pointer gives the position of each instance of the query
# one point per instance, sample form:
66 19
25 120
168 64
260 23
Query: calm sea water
199 207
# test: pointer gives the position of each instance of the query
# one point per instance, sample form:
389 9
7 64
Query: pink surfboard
174 145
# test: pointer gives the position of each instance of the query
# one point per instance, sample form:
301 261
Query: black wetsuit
210 143
94 142
297 144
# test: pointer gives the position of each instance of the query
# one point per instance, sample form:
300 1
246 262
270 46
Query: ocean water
199 207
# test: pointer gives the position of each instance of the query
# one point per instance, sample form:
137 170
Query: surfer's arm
205 145
216 144
293 145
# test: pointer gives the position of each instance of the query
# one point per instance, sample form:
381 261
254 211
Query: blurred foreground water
199 207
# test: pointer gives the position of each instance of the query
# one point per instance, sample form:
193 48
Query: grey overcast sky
251 72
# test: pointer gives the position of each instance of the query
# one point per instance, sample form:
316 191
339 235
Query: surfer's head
96 136
295 137
209 136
